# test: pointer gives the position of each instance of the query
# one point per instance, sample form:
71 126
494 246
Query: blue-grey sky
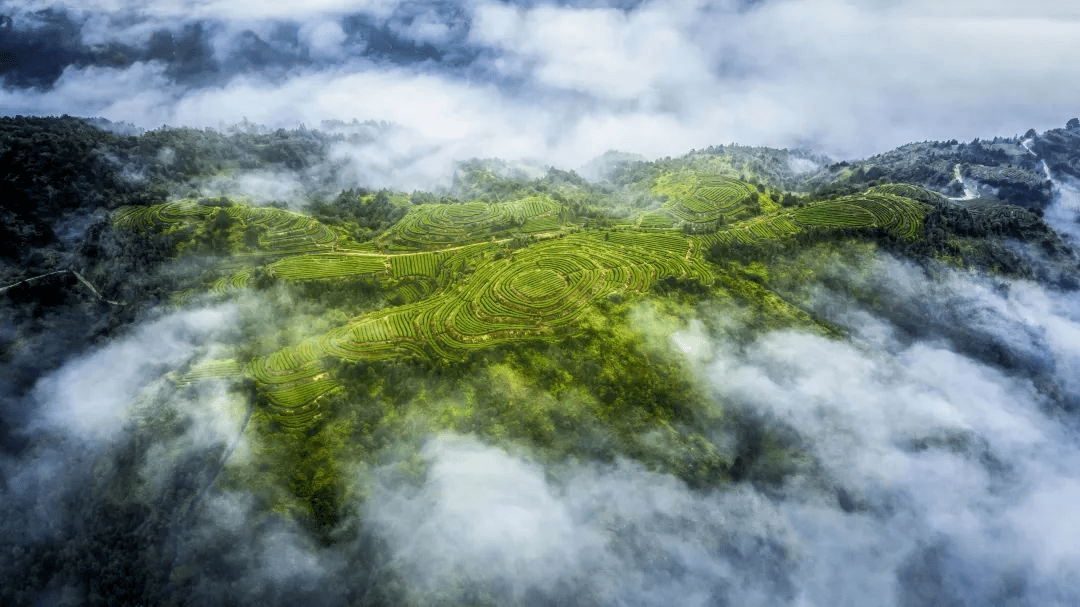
558 82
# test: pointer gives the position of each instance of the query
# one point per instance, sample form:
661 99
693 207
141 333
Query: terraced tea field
327 265
877 208
278 231
161 217
699 199
461 288
435 226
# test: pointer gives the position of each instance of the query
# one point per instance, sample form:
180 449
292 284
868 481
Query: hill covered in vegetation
533 310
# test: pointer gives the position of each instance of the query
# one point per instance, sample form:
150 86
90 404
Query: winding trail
78 276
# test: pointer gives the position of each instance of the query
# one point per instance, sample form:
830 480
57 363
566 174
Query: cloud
257 187
1064 212
482 515
324 39
93 397
435 23
111 454
931 454
488 523
563 83
928 477
693 341
217 9
234 553
604 53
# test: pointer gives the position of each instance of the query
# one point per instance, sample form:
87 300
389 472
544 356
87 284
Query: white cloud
910 76
850 78
482 515
219 9
426 27
605 53
930 448
488 522
258 186
693 341
324 38
1064 212
140 91
1056 553
94 396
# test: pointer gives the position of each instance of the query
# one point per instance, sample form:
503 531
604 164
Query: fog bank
553 82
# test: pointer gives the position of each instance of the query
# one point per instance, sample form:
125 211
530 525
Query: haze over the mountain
476 303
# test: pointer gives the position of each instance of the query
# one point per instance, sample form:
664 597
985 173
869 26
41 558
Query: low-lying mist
926 457
918 475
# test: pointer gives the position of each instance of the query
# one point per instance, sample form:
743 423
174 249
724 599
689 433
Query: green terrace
465 279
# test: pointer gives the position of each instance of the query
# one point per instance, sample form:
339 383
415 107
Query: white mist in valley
918 476
93 397
1064 212
85 416
912 467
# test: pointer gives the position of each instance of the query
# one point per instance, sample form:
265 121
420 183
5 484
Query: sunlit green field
508 272
523 321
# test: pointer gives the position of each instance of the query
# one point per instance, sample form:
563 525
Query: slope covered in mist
739 376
